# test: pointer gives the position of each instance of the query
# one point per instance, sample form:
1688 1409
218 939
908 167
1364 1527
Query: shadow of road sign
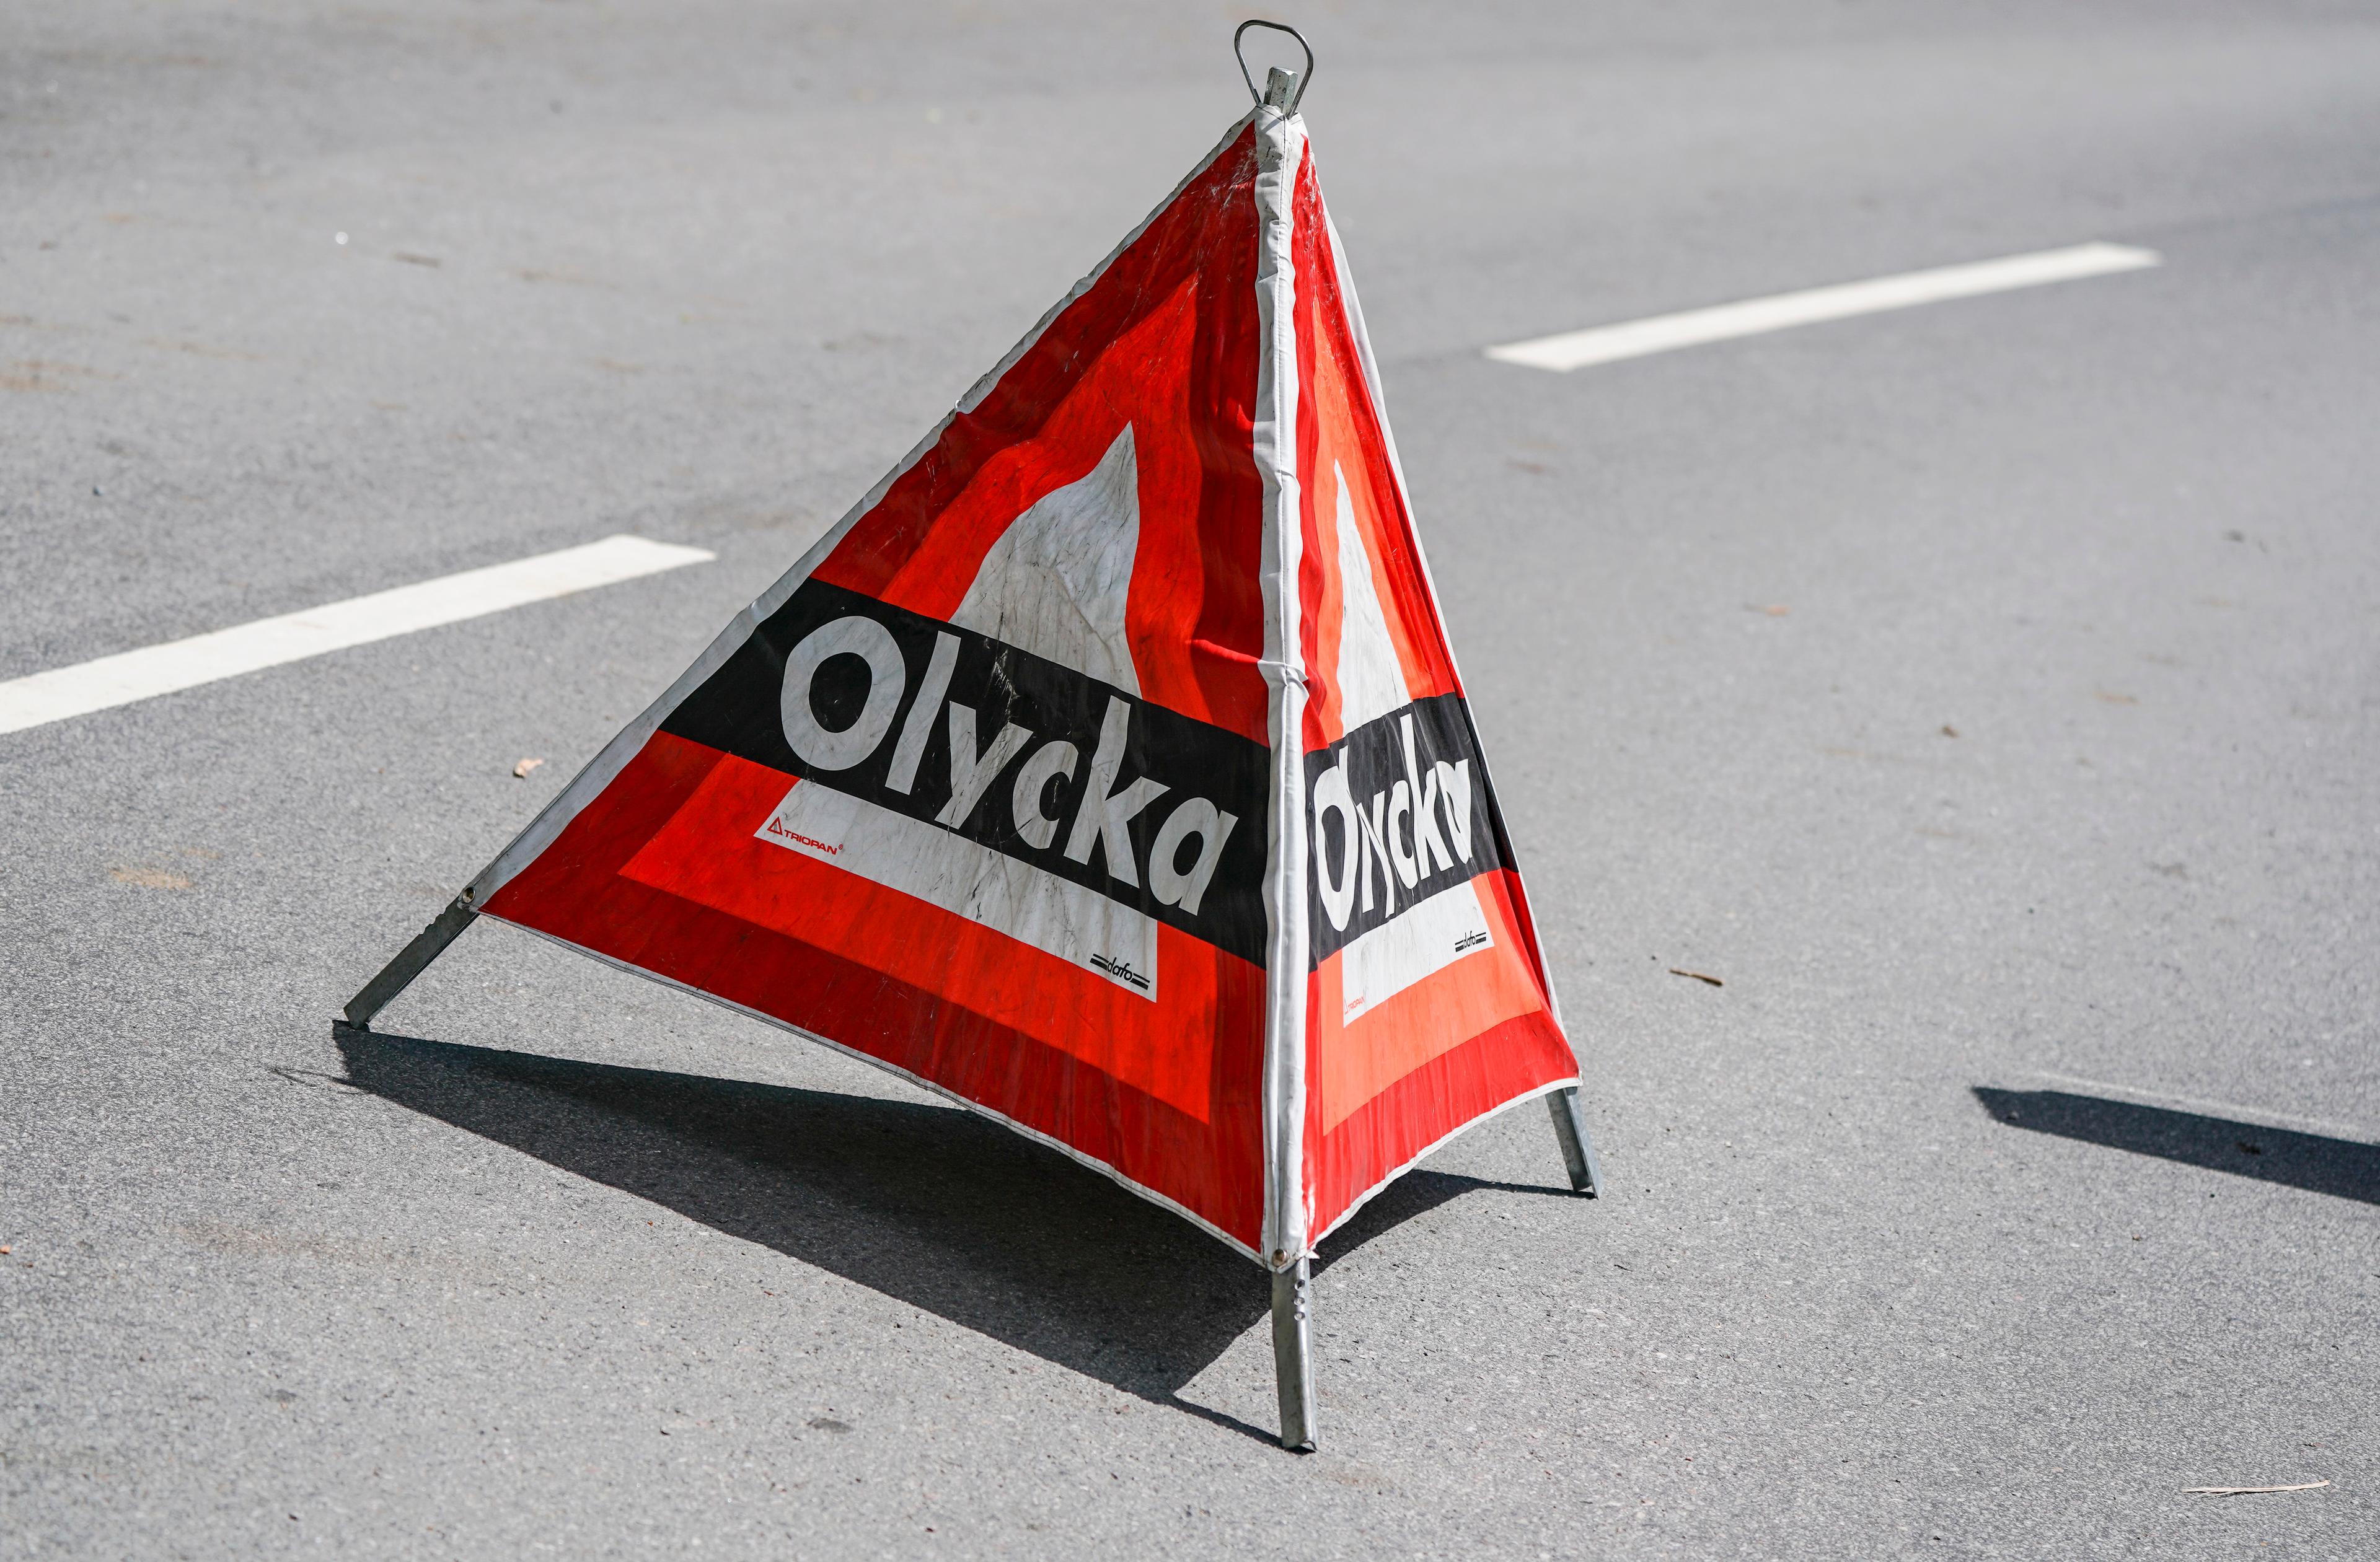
2342 1167
930 1205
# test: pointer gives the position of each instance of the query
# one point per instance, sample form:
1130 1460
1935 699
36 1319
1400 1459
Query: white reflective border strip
1419 941
601 770
1281 143
968 879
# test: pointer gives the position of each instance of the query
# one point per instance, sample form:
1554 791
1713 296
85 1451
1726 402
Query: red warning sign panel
1106 769
1429 1005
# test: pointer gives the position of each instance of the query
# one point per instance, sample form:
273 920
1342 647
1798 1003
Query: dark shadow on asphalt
930 1205
2342 1167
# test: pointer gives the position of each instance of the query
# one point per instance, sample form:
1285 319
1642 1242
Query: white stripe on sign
1660 333
249 648
942 867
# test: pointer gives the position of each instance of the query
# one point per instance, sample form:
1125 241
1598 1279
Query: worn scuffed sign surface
1107 768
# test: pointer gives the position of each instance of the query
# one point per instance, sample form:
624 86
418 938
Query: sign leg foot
410 961
1577 1148
1293 1354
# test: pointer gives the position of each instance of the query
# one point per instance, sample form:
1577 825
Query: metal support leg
410 961
1578 1150
1292 1354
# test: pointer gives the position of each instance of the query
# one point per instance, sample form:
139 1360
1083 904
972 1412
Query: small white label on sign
1056 915
1420 943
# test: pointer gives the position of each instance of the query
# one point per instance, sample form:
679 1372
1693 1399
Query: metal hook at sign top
1304 81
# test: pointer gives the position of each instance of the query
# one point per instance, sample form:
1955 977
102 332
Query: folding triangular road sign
1106 769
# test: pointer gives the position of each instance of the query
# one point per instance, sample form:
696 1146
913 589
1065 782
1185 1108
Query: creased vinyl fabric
1107 770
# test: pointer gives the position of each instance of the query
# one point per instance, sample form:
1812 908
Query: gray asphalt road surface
1986 694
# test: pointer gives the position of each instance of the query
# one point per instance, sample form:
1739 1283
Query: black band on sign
1397 810
1031 758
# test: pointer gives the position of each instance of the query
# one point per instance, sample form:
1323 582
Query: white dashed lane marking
1780 311
111 681
127 676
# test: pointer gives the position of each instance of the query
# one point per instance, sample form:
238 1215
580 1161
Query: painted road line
269 642
1661 333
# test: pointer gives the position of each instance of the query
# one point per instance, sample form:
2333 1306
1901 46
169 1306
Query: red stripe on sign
1354 1063
1492 1069
708 852
663 872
